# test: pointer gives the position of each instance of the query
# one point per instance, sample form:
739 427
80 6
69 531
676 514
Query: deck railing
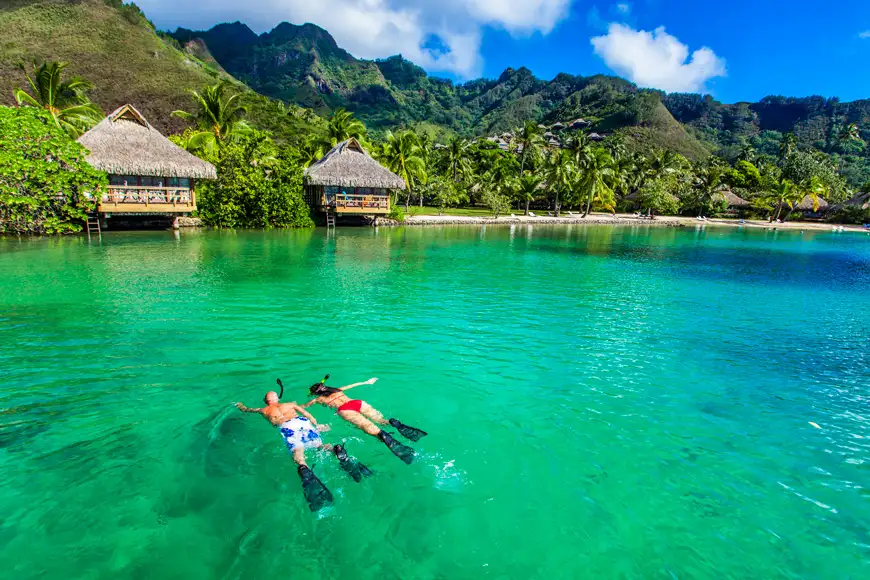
147 195
341 201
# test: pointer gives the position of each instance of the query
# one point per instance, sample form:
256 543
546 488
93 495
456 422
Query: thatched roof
348 165
124 143
595 137
732 198
806 204
860 199
557 126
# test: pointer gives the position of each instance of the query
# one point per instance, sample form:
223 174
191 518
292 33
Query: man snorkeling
363 416
300 431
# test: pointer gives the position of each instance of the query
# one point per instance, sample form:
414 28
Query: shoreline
615 220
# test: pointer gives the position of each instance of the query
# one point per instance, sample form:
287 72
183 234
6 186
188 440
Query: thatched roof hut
124 143
860 200
579 123
595 137
732 199
348 165
806 204
557 126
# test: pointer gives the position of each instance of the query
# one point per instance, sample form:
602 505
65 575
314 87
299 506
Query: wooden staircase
330 219
93 225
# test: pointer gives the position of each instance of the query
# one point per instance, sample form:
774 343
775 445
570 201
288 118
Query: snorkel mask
317 388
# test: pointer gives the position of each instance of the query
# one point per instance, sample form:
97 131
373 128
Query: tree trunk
408 201
527 206
556 204
421 199
778 211
588 205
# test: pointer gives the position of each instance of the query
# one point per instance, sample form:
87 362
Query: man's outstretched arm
368 382
310 417
241 407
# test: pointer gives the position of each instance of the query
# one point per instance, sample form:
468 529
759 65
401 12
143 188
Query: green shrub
46 187
850 214
257 187
397 212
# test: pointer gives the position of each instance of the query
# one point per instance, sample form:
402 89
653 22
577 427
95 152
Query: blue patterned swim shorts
299 432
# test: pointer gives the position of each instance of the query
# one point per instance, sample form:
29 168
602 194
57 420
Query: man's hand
323 428
371 381
240 406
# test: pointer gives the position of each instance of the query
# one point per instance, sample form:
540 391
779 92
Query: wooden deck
356 204
135 199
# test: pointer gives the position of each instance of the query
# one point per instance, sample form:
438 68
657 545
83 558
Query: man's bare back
279 413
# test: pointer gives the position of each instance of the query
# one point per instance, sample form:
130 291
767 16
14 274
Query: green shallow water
601 402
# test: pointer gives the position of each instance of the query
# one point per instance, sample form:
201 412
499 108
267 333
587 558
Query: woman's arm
310 417
368 382
313 401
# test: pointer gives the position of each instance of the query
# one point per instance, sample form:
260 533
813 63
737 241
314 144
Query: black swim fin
411 433
351 465
403 452
315 492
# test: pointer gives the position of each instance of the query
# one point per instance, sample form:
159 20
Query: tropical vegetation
46 187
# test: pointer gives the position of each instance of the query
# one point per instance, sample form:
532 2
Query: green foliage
661 194
258 186
219 118
404 156
397 213
444 193
66 101
851 214
45 185
342 126
494 198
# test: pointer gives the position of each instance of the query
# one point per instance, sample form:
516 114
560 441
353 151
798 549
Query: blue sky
736 50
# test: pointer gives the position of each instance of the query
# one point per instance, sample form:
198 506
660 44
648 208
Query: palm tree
786 193
342 126
787 147
457 156
219 117
66 101
532 142
814 188
526 187
708 179
849 133
310 151
561 174
403 156
598 172
580 148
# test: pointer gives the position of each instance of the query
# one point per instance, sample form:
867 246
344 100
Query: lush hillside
304 65
817 122
114 46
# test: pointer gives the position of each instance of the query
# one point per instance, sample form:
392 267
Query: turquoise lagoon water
601 402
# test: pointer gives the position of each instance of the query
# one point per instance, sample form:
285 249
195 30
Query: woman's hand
371 381
323 428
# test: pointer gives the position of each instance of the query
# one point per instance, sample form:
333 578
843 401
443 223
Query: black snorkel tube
280 384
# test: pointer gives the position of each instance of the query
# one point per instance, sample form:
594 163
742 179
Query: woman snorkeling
364 416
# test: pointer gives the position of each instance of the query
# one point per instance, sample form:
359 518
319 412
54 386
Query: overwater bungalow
149 175
348 181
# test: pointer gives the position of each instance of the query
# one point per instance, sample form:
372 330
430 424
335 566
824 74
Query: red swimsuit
351 406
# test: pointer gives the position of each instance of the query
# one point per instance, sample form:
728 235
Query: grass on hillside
127 61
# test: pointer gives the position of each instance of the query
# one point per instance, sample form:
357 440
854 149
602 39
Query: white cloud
380 28
865 34
657 59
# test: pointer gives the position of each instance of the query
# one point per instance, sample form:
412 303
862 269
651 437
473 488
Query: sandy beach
618 219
